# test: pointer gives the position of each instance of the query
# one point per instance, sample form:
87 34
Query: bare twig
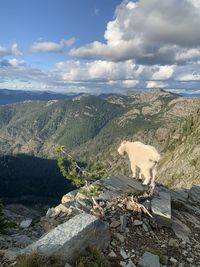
97 206
131 204
85 173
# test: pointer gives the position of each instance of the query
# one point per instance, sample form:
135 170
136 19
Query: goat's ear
124 142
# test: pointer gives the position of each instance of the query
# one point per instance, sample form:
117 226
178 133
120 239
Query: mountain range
12 96
92 127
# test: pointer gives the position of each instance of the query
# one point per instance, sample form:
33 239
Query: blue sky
26 22
100 45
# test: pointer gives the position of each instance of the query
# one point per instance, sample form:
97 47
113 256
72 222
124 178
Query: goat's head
121 149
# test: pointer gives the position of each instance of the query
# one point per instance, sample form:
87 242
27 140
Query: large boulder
149 260
69 239
161 207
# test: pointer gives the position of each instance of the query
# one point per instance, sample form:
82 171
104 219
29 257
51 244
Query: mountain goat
144 157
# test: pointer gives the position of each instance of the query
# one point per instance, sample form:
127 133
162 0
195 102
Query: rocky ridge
143 228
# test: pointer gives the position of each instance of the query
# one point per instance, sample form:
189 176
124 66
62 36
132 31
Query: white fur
144 157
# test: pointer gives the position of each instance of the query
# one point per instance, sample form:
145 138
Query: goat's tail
156 160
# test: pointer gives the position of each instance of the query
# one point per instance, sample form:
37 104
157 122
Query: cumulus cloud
15 62
3 51
151 32
127 74
187 73
17 74
52 46
129 83
188 54
155 84
98 70
47 47
13 50
97 76
70 41
189 77
163 73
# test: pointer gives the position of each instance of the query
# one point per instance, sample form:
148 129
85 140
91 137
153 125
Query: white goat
144 157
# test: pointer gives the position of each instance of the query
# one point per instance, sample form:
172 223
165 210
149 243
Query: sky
100 46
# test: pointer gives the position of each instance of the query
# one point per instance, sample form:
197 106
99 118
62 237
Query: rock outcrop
71 238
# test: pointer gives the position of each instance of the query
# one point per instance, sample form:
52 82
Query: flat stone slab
69 239
179 195
181 230
149 260
161 208
116 185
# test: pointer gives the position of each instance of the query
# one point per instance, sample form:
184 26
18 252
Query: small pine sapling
79 176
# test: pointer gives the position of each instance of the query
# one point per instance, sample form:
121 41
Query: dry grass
35 260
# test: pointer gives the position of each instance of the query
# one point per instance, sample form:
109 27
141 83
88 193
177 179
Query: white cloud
152 32
163 73
155 84
15 62
70 41
47 47
98 70
188 54
17 74
129 83
13 50
52 46
3 51
189 77
98 76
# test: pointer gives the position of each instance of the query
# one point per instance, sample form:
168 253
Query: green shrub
35 260
92 191
80 176
92 258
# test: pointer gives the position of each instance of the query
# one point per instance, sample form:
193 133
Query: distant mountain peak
157 90
8 96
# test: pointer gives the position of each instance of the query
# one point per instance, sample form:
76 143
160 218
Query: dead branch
131 204
97 206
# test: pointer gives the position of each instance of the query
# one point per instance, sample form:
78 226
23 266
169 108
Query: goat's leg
133 168
140 174
147 176
154 171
